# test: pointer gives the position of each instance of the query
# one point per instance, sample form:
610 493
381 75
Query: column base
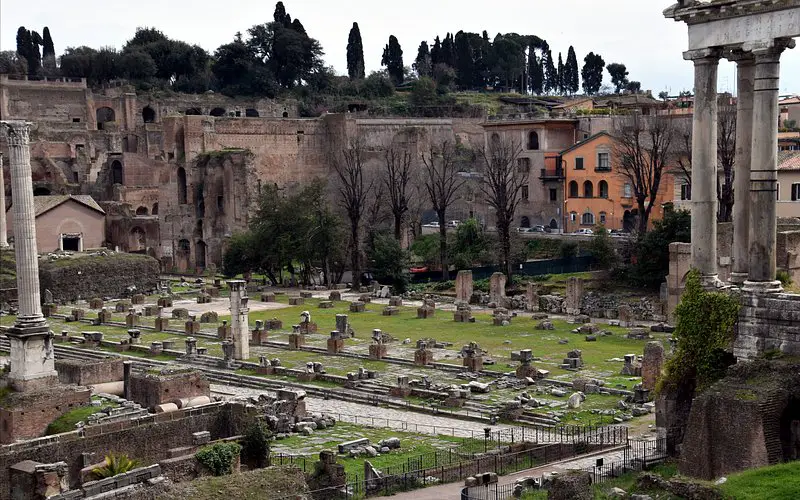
762 287
737 279
711 282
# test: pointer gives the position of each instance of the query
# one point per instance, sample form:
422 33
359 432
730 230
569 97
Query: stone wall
26 415
151 389
88 372
768 323
101 275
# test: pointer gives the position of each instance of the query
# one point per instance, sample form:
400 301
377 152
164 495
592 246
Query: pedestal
32 357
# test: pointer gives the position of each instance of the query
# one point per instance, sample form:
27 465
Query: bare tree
354 192
397 180
642 150
502 185
442 183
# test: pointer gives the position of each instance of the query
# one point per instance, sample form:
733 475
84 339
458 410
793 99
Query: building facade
66 222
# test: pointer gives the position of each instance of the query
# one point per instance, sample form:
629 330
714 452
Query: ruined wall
84 372
149 389
27 415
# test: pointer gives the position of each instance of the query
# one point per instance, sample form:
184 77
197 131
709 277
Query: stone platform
768 322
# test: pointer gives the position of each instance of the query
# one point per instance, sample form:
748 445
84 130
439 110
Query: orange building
597 193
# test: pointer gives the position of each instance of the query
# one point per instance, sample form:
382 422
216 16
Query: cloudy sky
632 32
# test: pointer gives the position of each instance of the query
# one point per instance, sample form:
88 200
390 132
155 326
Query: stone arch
533 140
588 189
603 189
193 111
573 189
42 191
148 114
525 222
138 240
117 173
217 112
104 115
154 211
200 249
251 113
181 185
182 255
285 114
553 224
142 211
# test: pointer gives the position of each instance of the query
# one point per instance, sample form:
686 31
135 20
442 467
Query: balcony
552 174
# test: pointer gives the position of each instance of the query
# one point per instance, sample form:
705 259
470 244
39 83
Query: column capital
740 57
703 56
768 50
17 132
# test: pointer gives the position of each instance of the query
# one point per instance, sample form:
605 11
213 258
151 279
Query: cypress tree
355 54
436 51
572 83
422 64
562 77
48 49
549 70
535 74
448 55
393 60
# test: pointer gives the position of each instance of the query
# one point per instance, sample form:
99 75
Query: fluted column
764 168
240 330
3 229
745 75
704 164
19 156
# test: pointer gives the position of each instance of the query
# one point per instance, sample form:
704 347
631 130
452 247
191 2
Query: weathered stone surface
652 364
464 286
572 304
573 485
497 287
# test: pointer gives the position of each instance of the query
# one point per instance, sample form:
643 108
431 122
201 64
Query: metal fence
534 268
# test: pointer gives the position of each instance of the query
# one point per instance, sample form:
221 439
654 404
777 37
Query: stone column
240 330
3 230
32 360
764 167
745 77
704 164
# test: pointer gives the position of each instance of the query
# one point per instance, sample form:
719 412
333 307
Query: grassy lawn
778 482
67 421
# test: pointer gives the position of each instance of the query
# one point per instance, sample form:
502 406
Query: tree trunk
443 246
504 230
644 216
355 258
398 226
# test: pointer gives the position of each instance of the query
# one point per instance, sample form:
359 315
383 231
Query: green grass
67 421
627 482
778 482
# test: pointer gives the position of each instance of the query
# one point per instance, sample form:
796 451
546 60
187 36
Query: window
588 189
116 172
525 193
778 191
686 192
627 190
181 185
553 194
525 222
523 165
533 141
603 162
573 216
796 192
603 188
76 120
573 190
587 219
578 163
602 217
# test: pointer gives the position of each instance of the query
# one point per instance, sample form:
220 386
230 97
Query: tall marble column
240 330
32 360
745 77
3 229
764 167
704 164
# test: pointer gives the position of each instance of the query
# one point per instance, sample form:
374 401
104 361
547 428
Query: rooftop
789 160
44 204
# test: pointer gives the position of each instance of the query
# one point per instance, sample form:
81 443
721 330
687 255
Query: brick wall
84 372
26 416
150 390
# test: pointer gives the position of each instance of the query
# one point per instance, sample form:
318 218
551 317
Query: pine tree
393 60
436 51
423 64
619 76
355 54
562 77
280 16
572 83
448 54
592 73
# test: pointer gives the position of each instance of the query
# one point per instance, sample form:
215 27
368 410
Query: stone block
326 304
335 345
365 298
464 286
390 311
192 327
335 296
104 316
423 357
122 306
180 313
96 303
267 297
306 295
204 298
131 320
138 299
296 341
358 307
78 314
150 310
161 324
396 301
425 312
377 351
296 301
164 301
209 317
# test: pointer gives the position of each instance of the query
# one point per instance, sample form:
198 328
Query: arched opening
154 211
587 219
588 189
41 191
200 254
285 114
533 140
141 211
603 218
104 115
217 112
182 255
628 221
553 224
251 113
525 222
603 187
138 240
573 189
116 172
193 111
181 185
148 114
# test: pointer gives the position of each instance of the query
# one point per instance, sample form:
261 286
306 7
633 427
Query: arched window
588 189
193 111
603 187
627 191
533 140
602 217
155 209
573 189
200 254
116 172
251 113
104 115
285 114
525 222
573 216
587 219
217 112
181 186
141 211
148 114
553 224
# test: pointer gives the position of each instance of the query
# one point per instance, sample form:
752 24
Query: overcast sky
632 32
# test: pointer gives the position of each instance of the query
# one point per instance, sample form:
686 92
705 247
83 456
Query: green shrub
784 277
602 249
256 444
390 262
219 457
441 286
115 465
568 249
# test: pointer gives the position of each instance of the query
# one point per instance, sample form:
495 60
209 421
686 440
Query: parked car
618 233
452 224
584 231
523 229
434 224
537 229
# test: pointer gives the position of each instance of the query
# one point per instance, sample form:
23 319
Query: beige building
66 222
789 184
